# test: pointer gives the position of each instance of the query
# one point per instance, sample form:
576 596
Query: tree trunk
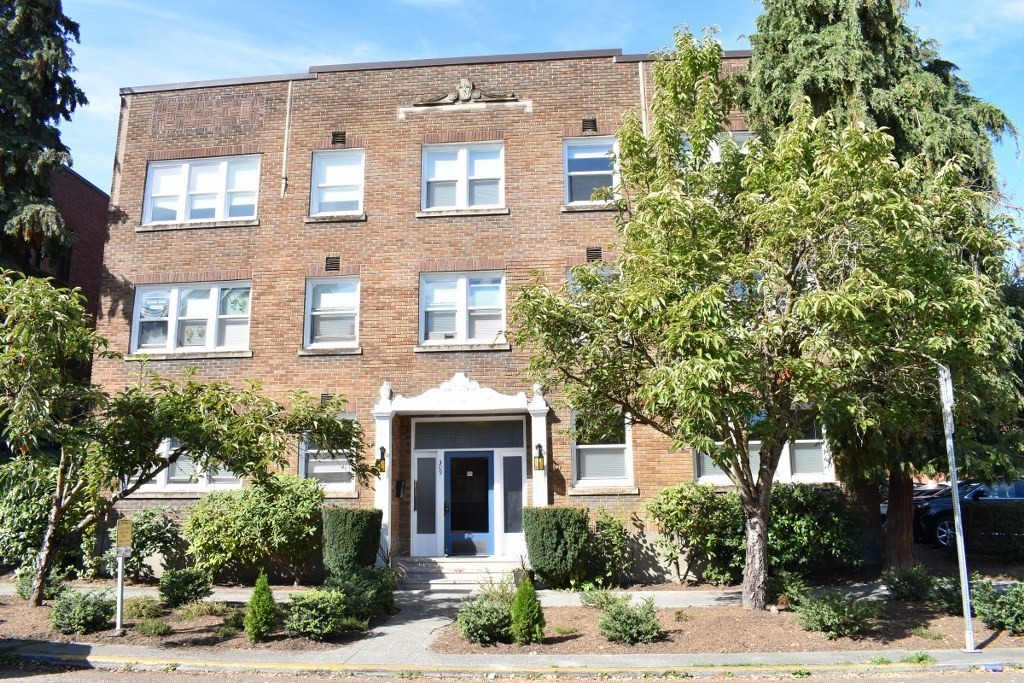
44 563
899 521
755 571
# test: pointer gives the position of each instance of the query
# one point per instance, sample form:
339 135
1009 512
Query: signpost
122 549
946 392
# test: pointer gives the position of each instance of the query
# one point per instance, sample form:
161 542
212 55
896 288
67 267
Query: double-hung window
588 166
332 312
337 187
462 308
602 455
807 452
192 317
331 469
468 176
185 475
215 189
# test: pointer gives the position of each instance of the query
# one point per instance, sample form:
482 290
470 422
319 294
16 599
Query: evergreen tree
36 93
860 60
527 615
262 611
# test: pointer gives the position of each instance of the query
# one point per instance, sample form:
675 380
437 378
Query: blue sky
143 42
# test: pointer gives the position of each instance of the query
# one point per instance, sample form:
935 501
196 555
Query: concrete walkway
402 645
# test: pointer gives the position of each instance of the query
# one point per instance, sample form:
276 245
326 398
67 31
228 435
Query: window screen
445 435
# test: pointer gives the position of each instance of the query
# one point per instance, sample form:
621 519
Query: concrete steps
463 572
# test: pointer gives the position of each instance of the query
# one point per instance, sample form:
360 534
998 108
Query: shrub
527 615
600 598
1002 611
55 583
787 586
351 538
320 614
556 542
837 615
275 522
811 529
632 624
144 607
947 595
153 627
485 620
262 611
368 591
182 586
153 533
82 612
609 554
909 585
204 608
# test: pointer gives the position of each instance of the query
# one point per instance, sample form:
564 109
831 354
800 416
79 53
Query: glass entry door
469 503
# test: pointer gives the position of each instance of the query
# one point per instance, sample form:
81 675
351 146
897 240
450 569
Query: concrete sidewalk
401 645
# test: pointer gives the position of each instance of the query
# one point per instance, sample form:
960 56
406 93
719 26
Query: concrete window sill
197 355
343 495
198 225
348 218
347 351
604 491
455 213
585 208
446 348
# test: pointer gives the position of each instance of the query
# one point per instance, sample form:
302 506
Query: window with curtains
191 318
332 312
602 455
462 308
464 176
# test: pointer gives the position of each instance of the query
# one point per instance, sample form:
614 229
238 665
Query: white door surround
458 396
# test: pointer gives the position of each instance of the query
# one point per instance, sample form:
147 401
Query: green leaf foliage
82 611
261 613
527 615
320 614
1002 610
836 615
623 622
154 532
351 538
609 558
556 543
910 585
37 92
485 621
368 591
184 586
276 520
773 282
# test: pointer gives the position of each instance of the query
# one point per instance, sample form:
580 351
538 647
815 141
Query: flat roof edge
191 85
650 57
454 61
88 183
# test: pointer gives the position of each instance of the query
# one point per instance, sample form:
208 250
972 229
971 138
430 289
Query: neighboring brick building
83 206
361 230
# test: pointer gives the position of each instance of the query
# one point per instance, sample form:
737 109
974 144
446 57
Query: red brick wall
392 246
84 209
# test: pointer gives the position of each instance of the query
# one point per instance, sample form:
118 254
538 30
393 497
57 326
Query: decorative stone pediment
458 395
465 93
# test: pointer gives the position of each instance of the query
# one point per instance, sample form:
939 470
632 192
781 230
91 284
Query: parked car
933 516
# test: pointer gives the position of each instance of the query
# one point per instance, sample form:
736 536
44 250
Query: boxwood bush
351 538
556 542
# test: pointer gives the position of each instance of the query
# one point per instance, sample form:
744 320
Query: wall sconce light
382 464
538 460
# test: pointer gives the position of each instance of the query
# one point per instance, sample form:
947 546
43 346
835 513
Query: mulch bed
19 620
733 629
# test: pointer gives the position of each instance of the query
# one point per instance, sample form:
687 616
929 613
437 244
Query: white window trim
308 327
315 184
461 308
603 483
784 472
304 452
203 481
568 143
222 194
462 181
173 317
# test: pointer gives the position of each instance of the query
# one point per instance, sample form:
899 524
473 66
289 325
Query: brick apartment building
362 230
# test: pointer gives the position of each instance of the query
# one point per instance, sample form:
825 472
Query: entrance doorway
469 503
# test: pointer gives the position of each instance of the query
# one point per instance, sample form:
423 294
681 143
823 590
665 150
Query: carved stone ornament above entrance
465 93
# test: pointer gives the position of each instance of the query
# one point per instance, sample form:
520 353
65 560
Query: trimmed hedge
556 542
351 538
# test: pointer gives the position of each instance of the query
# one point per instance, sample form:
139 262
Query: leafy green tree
861 60
36 93
756 287
106 445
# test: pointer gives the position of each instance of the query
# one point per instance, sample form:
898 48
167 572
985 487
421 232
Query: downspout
643 96
287 136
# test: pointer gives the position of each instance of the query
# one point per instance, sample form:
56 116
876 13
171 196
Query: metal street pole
946 392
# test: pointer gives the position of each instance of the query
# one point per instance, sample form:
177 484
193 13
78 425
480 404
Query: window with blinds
601 450
332 312
462 308
192 317
465 176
